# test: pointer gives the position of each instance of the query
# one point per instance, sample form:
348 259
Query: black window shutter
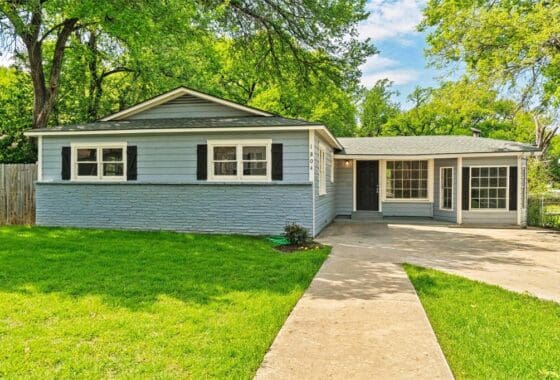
131 163
513 188
465 192
66 163
277 162
201 162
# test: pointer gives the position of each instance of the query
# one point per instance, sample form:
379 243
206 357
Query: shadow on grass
133 269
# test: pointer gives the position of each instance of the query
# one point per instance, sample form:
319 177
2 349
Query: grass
487 332
90 303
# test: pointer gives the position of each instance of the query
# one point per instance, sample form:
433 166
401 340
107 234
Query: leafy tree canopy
513 45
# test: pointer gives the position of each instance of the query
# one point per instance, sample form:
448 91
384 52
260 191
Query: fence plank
17 193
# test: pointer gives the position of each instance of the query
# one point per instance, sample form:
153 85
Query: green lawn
487 332
90 303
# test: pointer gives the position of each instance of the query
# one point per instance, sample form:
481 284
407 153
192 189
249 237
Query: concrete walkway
359 319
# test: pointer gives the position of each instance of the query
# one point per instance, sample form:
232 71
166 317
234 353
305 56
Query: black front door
367 189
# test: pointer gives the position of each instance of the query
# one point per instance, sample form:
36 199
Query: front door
367 185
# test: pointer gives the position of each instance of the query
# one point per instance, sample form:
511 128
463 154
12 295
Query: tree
298 29
377 109
15 103
513 45
454 108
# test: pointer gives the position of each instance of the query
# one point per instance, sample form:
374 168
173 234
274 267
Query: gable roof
428 146
176 93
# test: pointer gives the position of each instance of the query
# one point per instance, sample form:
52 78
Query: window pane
87 170
87 154
113 170
254 168
224 153
490 190
113 154
254 153
225 168
407 179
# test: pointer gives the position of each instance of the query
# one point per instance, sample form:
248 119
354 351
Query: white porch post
353 185
459 202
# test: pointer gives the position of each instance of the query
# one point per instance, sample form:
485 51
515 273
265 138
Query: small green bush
296 234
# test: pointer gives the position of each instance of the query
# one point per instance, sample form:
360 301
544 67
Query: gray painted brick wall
215 208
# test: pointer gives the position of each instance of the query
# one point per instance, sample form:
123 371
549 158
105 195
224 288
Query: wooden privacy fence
17 193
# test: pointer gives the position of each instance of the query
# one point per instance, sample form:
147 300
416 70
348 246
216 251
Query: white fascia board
426 156
173 94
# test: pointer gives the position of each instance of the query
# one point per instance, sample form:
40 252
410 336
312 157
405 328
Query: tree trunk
45 94
543 134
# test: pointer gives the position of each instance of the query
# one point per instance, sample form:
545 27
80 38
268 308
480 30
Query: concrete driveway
522 260
361 318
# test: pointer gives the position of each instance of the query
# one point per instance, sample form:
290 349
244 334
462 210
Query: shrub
296 234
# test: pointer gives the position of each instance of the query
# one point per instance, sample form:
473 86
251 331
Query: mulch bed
295 248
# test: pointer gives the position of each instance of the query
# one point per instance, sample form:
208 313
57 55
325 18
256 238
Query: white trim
519 200
440 206
477 210
332 165
382 184
99 161
430 189
311 155
40 158
239 144
174 94
322 169
320 128
354 190
459 190
405 157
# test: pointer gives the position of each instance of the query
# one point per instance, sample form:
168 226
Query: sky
392 28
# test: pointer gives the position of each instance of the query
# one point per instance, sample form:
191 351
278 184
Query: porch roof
428 146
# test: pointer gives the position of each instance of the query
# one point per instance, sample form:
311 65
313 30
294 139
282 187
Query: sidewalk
359 319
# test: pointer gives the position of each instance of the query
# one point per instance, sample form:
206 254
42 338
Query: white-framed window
99 162
446 188
489 187
239 160
322 170
407 180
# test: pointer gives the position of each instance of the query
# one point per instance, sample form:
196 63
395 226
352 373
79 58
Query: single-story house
189 161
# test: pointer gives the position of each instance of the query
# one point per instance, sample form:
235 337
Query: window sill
389 200
490 210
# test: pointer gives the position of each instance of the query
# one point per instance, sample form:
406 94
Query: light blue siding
344 192
408 209
490 217
191 107
215 208
172 158
324 204
446 215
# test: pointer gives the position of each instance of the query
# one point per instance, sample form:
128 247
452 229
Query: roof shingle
428 145
218 122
